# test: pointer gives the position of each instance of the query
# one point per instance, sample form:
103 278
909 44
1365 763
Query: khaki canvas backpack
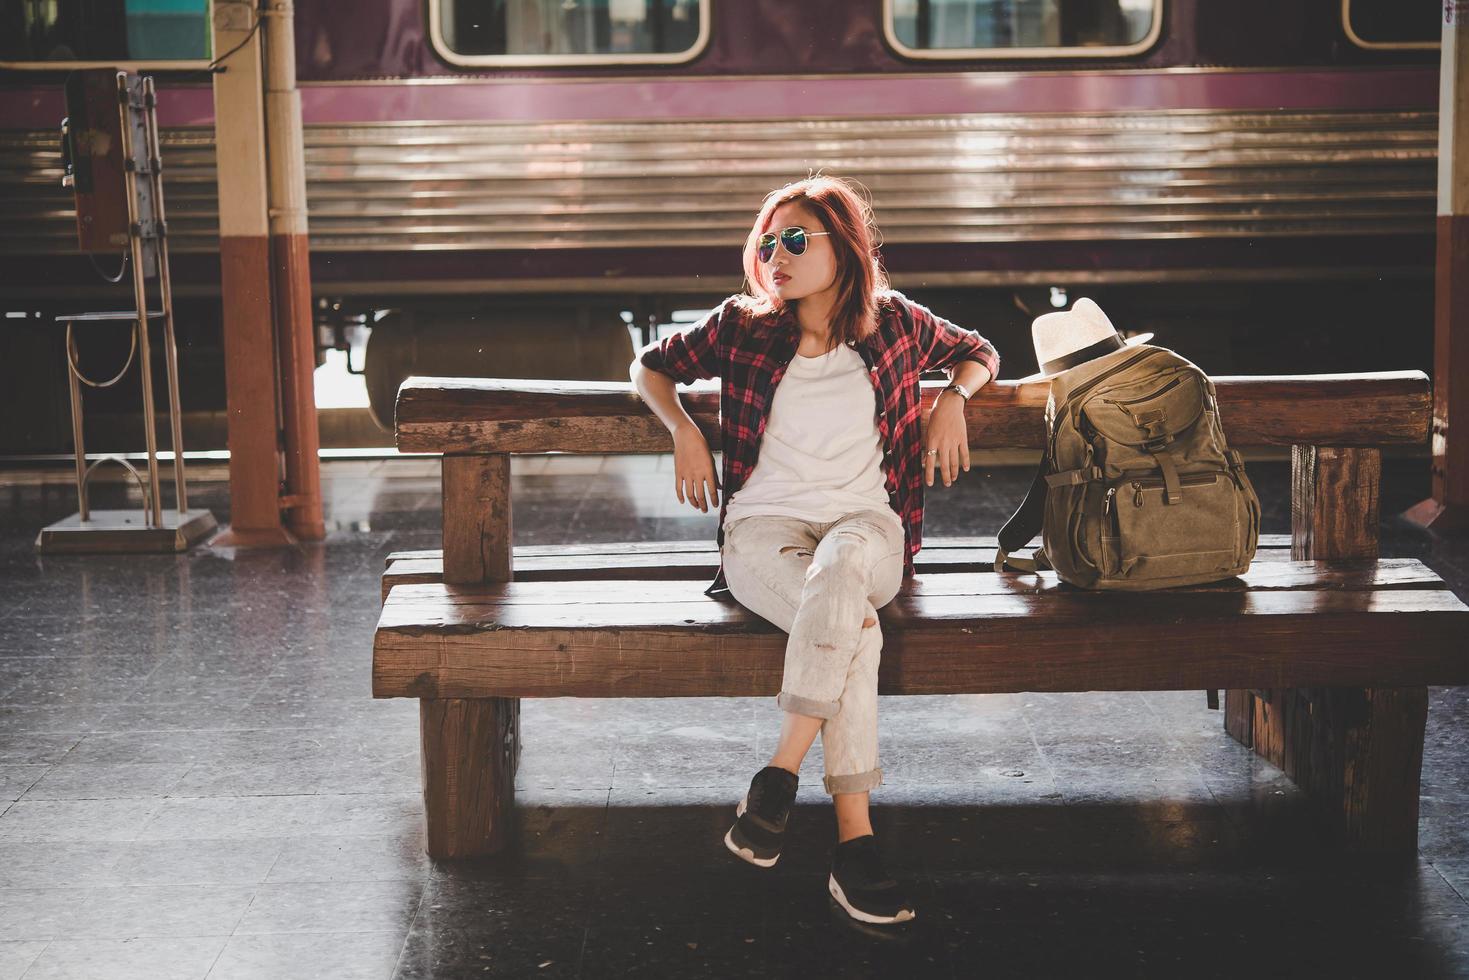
1137 489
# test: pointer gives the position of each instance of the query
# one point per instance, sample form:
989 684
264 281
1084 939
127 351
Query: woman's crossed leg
823 585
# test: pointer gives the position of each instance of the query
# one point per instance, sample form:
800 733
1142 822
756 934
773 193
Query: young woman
820 364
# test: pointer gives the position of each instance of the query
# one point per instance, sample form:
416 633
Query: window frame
192 64
442 49
1366 45
890 34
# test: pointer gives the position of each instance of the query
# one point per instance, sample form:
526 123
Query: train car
499 187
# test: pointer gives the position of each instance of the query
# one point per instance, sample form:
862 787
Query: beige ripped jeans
819 582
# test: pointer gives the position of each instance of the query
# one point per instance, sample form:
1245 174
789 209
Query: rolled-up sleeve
945 344
692 355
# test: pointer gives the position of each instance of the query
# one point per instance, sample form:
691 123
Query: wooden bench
1324 650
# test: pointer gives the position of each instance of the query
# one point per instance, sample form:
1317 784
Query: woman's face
796 276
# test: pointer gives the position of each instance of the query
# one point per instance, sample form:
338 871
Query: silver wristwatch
964 392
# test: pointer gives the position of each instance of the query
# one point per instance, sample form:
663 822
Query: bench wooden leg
471 749
1358 753
1239 716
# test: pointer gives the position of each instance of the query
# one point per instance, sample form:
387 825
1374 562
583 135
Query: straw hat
1067 338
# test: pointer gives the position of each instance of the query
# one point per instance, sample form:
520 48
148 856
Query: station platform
196 782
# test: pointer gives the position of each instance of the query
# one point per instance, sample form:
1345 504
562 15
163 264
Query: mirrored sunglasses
794 239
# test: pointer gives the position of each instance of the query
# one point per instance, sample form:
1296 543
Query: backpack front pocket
1198 536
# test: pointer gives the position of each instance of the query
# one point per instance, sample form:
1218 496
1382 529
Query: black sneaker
760 819
862 887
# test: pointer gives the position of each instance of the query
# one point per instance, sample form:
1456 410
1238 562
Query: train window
533 33
125 33
1391 24
1021 28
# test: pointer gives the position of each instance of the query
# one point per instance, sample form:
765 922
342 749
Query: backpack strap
1172 485
1071 478
1025 524
1038 562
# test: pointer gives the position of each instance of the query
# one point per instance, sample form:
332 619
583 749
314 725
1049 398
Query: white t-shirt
821 454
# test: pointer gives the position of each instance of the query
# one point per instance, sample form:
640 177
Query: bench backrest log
1337 426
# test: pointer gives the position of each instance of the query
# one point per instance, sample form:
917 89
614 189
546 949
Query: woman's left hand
949 434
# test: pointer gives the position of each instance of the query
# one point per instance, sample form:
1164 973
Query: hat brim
1141 338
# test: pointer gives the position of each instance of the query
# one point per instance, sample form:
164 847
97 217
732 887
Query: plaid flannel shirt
750 353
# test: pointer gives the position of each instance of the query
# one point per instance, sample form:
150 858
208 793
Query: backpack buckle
1151 424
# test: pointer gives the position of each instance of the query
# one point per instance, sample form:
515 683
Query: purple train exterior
1251 167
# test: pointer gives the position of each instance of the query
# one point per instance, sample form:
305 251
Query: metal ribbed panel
36 213
975 178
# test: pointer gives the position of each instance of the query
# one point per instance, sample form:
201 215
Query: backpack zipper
1083 389
1145 398
1156 483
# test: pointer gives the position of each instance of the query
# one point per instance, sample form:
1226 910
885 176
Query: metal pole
140 296
165 285
295 325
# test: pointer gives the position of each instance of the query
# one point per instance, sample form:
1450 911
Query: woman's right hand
694 479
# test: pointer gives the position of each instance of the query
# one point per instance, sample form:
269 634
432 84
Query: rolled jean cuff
859 782
798 705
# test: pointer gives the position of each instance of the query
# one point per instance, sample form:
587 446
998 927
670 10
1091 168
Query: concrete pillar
275 495
244 258
1448 509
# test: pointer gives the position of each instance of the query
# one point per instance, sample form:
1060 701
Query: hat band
1105 346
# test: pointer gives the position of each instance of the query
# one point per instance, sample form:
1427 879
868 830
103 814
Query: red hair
842 208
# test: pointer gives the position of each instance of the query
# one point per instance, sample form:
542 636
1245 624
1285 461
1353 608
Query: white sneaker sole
744 853
904 915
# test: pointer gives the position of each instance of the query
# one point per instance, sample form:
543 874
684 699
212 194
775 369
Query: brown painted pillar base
233 537
1440 518
1447 511
250 390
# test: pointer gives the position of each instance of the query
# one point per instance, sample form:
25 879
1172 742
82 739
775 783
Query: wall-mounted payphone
99 156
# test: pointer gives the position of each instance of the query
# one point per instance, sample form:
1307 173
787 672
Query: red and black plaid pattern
750 352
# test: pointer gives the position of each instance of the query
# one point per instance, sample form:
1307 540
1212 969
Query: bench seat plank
701 545
691 566
689 563
1389 573
680 607
662 639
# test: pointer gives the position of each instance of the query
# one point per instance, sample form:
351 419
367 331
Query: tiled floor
195 782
